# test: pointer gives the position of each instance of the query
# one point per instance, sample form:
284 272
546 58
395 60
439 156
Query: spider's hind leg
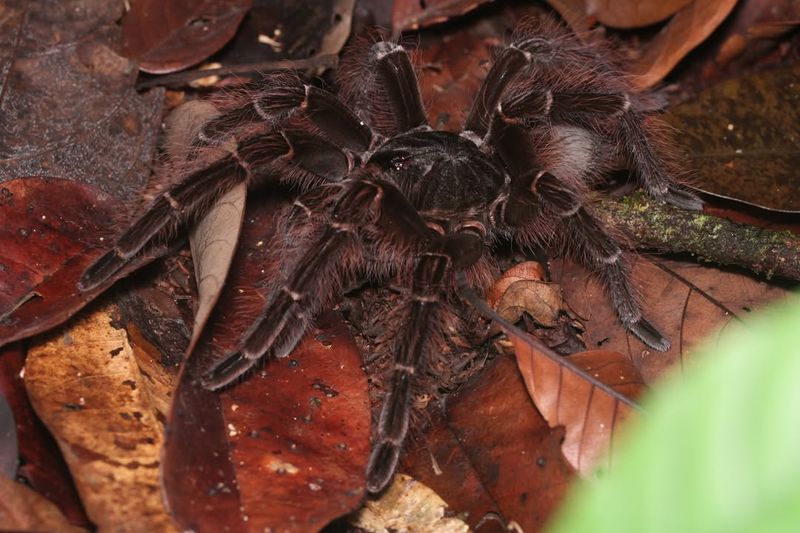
541 198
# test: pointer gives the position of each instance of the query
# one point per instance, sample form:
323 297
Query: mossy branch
666 228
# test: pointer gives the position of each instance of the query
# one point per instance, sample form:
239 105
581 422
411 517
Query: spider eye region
440 171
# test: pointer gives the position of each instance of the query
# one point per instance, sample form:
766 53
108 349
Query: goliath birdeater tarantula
380 194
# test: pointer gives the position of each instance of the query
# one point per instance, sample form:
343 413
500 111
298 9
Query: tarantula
379 193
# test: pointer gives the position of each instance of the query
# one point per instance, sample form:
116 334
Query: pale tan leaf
407 505
86 386
687 29
22 509
588 394
214 236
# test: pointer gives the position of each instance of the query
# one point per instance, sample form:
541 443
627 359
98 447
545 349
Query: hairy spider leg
557 89
251 159
415 342
590 241
591 111
361 207
378 81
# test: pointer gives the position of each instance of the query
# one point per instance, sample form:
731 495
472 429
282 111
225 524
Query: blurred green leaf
717 451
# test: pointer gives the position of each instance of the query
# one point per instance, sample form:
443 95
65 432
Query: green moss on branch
669 229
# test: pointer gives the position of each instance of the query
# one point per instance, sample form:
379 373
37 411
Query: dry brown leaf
86 386
687 302
687 29
590 412
22 509
407 505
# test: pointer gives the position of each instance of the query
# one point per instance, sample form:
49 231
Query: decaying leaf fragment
407 505
86 386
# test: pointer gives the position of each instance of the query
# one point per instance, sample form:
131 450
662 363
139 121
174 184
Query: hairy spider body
380 194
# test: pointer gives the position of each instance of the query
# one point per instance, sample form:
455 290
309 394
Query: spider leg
638 135
250 160
378 81
597 249
533 192
315 278
416 339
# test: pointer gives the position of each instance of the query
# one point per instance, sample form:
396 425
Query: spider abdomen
440 172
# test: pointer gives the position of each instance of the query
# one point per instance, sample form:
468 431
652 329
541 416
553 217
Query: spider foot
226 371
683 199
101 270
381 466
648 334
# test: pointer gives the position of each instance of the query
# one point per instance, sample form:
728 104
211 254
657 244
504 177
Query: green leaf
717 451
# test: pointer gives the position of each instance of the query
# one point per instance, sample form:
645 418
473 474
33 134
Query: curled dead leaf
522 289
214 235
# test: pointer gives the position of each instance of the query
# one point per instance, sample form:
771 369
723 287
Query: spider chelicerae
379 194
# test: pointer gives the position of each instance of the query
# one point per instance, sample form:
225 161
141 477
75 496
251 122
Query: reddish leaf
634 13
457 67
286 448
168 36
43 466
687 29
687 302
49 230
412 14
494 453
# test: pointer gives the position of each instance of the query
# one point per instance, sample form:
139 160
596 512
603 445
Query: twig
179 78
669 229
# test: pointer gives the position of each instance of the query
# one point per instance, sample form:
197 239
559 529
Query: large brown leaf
86 385
168 36
67 103
287 447
493 454
686 301
50 230
741 137
590 412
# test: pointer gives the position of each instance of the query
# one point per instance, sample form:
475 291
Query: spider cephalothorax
381 195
